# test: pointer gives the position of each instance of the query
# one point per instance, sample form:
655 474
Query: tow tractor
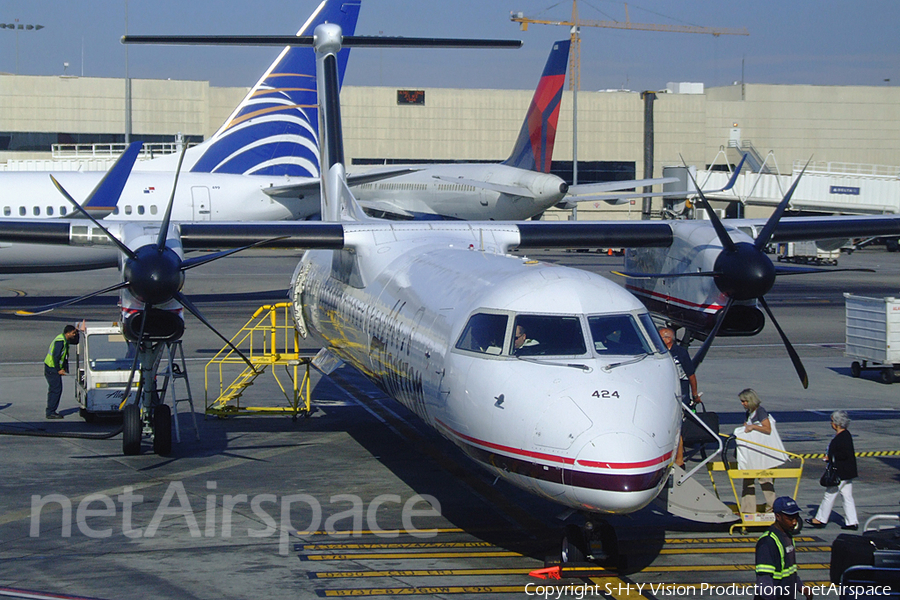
103 362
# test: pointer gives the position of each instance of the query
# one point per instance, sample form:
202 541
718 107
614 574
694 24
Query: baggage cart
873 335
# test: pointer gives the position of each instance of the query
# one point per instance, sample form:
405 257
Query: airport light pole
127 86
17 27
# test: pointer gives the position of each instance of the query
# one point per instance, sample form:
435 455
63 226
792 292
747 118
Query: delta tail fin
273 131
534 146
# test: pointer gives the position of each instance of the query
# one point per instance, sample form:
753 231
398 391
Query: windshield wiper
630 361
582 367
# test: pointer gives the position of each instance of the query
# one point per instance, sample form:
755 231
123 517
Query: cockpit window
484 333
653 332
618 335
540 335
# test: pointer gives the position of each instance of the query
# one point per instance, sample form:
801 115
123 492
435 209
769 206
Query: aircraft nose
619 472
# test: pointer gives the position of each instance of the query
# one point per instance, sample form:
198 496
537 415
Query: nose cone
619 472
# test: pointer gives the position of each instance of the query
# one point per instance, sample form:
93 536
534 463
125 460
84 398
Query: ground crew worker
776 563
56 364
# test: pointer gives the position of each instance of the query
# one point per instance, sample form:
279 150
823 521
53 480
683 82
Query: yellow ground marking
419 573
406 555
397 546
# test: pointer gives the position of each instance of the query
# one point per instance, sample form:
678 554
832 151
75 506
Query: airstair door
201 203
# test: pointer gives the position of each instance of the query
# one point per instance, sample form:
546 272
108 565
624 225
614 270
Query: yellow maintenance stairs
268 340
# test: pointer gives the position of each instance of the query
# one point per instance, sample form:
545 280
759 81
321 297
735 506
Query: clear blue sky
828 42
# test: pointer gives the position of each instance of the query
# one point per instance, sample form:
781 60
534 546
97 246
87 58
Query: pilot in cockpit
521 340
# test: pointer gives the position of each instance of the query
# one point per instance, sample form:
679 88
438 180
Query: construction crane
575 24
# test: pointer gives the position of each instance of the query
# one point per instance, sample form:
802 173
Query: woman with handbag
842 459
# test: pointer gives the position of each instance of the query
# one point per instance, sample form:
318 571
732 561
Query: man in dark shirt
685 368
56 364
776 562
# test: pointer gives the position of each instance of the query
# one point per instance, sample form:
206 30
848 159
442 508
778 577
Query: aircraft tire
574 546
162 430
887 375
132 430
855 369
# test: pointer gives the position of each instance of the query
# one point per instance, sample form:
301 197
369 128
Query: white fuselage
423 194
199 197
591 430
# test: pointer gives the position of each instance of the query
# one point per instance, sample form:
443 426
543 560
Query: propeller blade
164 227
720 318
134 362
806 270
349 41
766 234
196 312
795 358
202 260
663 275
125 249
45 309
721 232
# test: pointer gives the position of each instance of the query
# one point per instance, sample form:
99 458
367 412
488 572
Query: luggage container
873 335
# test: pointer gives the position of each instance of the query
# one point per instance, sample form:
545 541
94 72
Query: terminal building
851 133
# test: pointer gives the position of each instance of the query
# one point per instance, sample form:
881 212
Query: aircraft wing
311 186
526 235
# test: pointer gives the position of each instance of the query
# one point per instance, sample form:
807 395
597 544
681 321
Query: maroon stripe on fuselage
610 482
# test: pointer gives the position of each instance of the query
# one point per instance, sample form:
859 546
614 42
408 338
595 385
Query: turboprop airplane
549 377
262 164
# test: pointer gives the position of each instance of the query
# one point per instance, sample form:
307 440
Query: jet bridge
826 187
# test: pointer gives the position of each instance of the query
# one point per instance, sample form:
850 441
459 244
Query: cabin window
37 211
7 211
618 335
484 334
547 335
63 211
116 210
21 211
140 209
152 209
49 211
127 209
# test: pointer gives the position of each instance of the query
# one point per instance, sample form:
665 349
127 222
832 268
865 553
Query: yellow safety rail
269 339
755 519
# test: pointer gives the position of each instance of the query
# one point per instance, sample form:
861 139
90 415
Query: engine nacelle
161 326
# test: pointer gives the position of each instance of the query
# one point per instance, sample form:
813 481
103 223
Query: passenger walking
759 428
56 364
843 456
684 366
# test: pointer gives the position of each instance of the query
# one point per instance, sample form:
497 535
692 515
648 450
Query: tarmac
362 499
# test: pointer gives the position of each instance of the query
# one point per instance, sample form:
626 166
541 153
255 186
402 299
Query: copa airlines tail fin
273 131
534 146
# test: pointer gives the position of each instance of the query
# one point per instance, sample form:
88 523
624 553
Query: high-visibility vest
776 573
65 353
